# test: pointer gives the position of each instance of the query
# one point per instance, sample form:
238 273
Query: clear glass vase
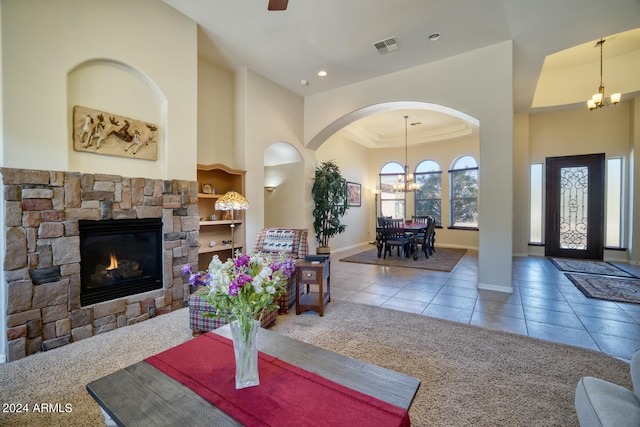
245 349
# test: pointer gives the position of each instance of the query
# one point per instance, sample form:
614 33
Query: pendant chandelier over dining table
406 182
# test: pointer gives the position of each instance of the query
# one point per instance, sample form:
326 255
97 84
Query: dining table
414 228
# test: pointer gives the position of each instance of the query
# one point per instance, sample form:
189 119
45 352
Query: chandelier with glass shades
405 181
598 100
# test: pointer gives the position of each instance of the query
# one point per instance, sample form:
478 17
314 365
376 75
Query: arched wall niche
283 188
115 87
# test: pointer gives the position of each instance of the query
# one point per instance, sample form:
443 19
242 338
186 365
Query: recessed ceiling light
322 73
433 37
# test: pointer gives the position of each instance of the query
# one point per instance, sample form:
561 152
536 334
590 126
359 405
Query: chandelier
598 100
405 181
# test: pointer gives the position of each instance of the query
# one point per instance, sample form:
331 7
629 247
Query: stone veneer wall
42 261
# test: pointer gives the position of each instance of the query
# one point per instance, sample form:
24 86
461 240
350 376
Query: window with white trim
535 203
463 176
391 202
428 199
614 204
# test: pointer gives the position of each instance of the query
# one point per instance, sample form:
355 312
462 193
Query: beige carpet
443 259
470 376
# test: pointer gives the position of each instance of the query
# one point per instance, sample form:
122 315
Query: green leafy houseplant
329 193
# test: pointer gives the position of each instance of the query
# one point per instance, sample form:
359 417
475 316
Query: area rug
607 288
443 259
589 267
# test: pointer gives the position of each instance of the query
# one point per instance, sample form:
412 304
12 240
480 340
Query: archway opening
283 188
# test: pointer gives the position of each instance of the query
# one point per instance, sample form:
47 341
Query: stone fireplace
45 215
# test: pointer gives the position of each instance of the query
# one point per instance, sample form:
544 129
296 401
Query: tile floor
544 304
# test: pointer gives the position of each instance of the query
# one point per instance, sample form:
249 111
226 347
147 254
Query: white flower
265 272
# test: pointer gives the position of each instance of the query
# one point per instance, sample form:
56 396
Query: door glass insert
574 197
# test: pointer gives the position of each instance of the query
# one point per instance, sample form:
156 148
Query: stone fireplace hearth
42 262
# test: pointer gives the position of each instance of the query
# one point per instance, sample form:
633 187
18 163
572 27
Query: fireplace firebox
119 258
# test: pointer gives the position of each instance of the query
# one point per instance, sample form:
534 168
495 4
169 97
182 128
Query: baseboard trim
495 288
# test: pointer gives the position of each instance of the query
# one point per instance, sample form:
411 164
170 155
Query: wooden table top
140 395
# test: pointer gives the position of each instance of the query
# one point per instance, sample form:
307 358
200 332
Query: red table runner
287 395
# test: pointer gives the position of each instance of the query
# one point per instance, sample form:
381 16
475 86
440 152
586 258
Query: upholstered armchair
269 242
200 324
291 241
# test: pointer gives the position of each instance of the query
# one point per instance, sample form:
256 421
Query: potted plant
329 193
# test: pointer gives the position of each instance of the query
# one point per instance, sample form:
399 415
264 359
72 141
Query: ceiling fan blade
278 4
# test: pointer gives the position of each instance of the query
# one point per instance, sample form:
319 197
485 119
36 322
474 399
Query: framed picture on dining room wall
354 197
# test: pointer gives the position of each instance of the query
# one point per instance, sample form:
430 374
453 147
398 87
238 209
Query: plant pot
323 250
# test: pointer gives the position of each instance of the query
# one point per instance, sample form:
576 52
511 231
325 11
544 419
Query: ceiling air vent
387 45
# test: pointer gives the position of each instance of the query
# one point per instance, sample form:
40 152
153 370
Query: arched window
429 197
391 202
464 192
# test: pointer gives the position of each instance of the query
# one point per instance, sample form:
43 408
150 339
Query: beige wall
574 132
444 153
42 50
280 210
137 59
580 131
215 114
521 172
464 83
634 193
353 160
267 113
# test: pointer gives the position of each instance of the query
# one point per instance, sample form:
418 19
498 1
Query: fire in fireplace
119 258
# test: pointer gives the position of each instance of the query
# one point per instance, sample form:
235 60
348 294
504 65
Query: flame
114 262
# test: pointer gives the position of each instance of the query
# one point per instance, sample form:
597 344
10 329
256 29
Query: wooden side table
308 273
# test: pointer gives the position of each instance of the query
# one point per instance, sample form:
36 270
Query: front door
575 206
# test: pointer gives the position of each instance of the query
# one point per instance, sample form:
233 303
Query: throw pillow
278 240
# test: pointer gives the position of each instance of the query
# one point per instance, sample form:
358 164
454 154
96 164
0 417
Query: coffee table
141 395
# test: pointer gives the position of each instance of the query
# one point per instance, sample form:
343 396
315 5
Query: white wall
464 83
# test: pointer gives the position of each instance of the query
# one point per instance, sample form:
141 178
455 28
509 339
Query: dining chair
394 236
431 235
422 241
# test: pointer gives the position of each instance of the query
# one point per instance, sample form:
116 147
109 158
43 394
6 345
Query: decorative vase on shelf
245 349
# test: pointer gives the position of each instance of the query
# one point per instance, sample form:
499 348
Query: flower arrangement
244 287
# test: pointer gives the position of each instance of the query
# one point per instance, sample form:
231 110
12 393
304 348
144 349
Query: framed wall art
354 197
